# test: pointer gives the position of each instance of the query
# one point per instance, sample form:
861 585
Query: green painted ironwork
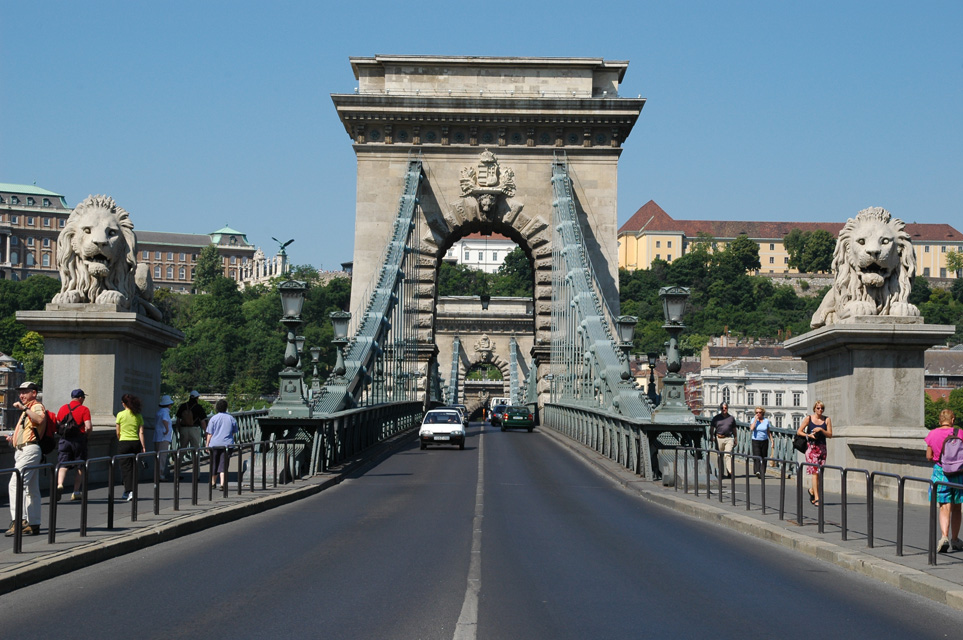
453 380
513 370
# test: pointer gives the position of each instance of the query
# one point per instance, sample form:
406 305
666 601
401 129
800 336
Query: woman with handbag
816 428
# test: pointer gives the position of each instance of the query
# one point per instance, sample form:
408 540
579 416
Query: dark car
497 412
518 418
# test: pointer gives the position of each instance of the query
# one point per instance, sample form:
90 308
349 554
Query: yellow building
651 234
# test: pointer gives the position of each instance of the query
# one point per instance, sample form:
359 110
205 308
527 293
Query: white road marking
467 626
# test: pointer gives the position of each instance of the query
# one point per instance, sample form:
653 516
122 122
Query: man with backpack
191 422
26 440
74 424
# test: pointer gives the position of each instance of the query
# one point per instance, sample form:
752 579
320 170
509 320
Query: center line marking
467 626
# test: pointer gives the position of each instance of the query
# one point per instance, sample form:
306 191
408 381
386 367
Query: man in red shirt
73 441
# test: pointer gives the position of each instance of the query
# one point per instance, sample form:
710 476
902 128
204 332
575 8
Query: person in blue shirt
761 439
221 432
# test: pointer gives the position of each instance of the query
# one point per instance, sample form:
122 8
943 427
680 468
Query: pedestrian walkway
800 531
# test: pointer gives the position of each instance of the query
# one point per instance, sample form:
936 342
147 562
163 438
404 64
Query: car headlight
425 432
457 432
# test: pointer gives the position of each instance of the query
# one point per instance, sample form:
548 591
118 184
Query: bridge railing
781 440
617 437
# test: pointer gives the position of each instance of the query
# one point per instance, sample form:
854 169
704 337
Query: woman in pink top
950 499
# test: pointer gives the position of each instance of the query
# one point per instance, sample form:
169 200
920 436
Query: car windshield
442 418
514 410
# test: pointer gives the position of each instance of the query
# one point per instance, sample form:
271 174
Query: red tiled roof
653 218
493 236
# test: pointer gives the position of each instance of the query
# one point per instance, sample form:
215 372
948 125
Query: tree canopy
810 251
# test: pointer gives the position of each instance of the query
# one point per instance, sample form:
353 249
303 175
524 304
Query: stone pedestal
104 351
869 374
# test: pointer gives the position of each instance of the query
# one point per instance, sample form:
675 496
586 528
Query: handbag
800 443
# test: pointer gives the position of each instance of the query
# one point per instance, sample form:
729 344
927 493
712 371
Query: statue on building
97 259
873 265
484 183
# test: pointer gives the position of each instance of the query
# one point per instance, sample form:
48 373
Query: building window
14 240
494 256
46 222
157 272
30 241
658 257
668 244
785 260
182 273
467 256
45 260
193 257
234 259
29 221
926 271
170 255
725 394
14 258
658 243
145 255
14 219
764 398
796 399
942 272
170 273
46 243
31 261
751 398
192 273
779 398
30 201
943 381
943 249
63 223
772 247
796 421
14 200
46 202
926 249
183 257
231 274
668 257
772 260
779 421
157 255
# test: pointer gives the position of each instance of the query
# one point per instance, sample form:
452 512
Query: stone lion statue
874 264
96 255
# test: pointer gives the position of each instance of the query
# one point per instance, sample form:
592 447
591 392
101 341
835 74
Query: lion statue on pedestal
874 264
96 256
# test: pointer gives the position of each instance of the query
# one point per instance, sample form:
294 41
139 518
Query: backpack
68 427
951 458
47 442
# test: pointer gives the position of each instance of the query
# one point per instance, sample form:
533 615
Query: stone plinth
105 352
869 374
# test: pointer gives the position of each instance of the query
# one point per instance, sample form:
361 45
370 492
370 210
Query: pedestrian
950 499
191 421
73 441
26 440
723 429
816 427
130 436
163 431
221 432
761 439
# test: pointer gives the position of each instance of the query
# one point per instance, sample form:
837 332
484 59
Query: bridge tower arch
487 131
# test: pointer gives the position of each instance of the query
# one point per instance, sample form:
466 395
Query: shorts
815 454
71 450
221 458
945 494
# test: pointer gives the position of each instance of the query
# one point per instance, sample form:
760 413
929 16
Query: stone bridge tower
487 130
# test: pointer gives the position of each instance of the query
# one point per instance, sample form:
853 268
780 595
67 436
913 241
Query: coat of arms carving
486 181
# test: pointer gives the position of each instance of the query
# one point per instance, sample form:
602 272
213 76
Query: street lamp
315 381
340 321
299 345
653 361
674 301
626 327
291 401
485 301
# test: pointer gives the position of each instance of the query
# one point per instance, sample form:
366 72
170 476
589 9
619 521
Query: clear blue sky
196 114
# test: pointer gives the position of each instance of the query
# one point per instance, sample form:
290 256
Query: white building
485 253
779 386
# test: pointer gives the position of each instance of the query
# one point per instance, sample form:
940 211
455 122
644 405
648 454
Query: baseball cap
28 386
78 393
195 394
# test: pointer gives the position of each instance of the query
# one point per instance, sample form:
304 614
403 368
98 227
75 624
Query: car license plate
442 437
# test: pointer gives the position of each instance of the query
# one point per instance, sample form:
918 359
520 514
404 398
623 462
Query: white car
442 426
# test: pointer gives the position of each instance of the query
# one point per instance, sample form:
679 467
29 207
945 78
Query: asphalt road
514 537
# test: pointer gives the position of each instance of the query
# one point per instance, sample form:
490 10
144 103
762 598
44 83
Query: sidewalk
41 560
910 572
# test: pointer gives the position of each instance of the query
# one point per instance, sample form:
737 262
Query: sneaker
31 529
13 528
944 545
76 495
60 492
957 544
125 496
130 496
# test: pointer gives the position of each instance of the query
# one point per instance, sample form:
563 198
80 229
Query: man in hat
26 441
191 422
162 434
73 440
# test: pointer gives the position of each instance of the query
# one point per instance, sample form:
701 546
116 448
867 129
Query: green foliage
954 260
810 251
921 291
208 268
31 294
514 278
29 351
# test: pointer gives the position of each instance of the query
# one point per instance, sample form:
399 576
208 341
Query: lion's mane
892 298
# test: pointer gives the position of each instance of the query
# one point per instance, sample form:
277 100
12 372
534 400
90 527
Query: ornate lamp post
299 343
340 320
652 393
315 381
626 326
485 301
291 401
674 301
